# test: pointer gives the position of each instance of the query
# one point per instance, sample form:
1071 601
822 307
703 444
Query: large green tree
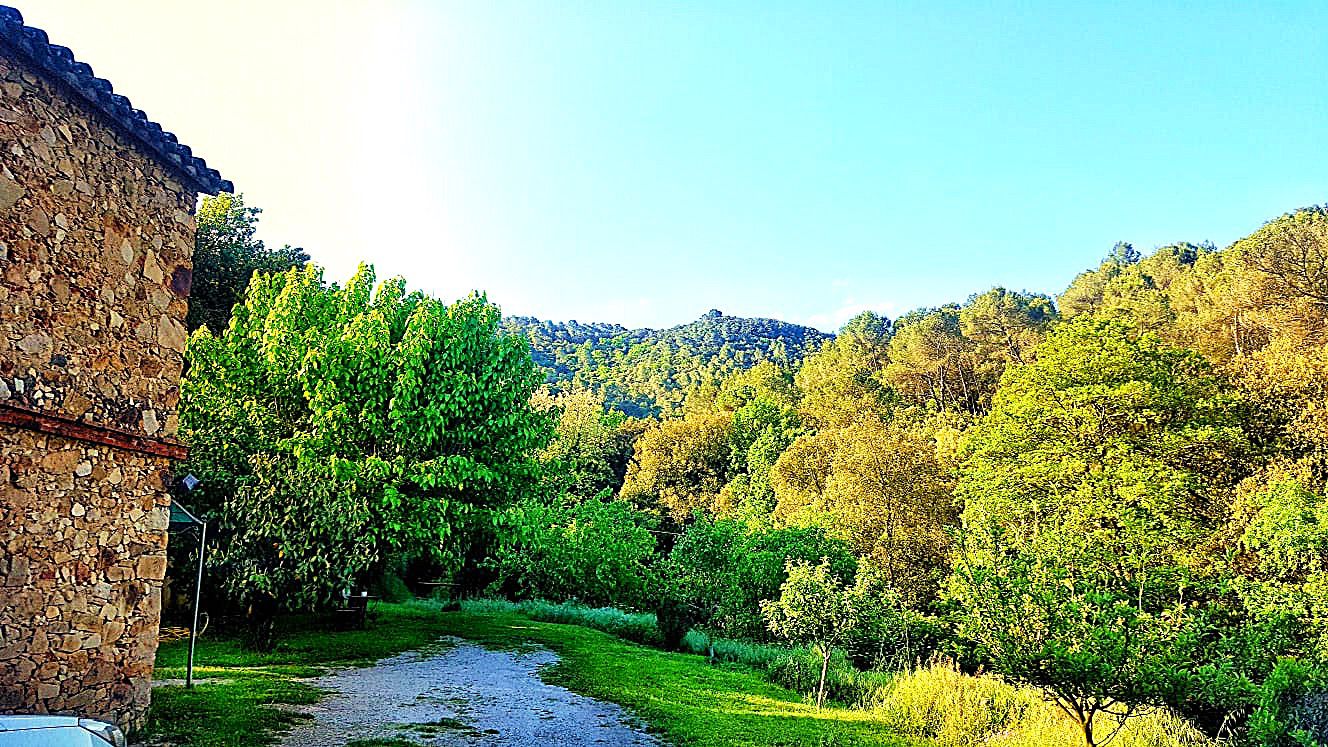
335 427
1103 469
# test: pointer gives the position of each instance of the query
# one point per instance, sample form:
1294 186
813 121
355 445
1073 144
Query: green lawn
228 708
682 696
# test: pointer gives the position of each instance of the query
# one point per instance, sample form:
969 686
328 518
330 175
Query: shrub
600 552
673 616
755 655
723 570
799 669
392 589
633 626
639 627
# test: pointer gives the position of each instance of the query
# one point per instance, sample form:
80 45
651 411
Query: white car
58 731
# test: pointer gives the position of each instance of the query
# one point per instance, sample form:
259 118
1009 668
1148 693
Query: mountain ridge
645 371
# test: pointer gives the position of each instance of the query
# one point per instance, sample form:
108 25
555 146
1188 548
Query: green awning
181 518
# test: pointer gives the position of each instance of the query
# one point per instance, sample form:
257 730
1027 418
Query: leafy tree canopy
226 255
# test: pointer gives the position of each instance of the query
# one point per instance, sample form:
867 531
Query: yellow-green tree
680 466
1090 490
880 486
844 378
931 363
588 453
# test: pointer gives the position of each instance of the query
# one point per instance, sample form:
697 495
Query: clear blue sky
644 162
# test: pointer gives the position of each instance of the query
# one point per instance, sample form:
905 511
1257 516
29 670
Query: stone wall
83 534
95 245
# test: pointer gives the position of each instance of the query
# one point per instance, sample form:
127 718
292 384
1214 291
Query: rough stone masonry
96 234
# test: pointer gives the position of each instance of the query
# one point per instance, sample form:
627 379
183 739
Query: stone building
96 234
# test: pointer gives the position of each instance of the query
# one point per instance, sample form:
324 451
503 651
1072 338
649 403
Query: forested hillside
644 372
1117 496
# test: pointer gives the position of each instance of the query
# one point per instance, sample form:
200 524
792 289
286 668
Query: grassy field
682 696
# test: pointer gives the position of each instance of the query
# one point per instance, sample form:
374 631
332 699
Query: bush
638 627
673 617
1290 709
599 552
392 589
724 569
799 669
755 655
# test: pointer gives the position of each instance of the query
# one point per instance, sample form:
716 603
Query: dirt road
457 693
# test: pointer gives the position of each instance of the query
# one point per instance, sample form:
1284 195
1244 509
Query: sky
642 163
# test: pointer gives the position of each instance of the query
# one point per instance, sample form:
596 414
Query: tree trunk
825 664
260 629
1087 726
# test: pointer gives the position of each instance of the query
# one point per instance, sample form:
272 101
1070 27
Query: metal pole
198 589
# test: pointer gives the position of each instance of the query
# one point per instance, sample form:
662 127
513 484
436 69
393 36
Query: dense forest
647 372
1115 495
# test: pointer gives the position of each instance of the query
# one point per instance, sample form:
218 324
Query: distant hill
646 372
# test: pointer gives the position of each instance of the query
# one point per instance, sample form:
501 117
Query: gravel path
457 693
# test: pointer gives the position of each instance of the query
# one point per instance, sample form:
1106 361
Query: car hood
22 723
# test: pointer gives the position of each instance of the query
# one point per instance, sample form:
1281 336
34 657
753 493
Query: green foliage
332 427
720 571
1289 711
882 487
843 379
814 609
598 552
226 255
1121 493
681 466
588 454
1286 536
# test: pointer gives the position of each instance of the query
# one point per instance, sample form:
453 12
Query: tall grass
954 709
638 627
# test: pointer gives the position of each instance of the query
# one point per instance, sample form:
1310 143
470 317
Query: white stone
83 469
151 269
